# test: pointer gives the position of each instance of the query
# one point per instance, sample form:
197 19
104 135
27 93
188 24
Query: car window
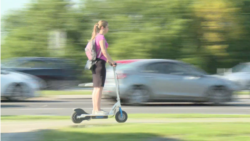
175 69
155 68
12 63
55 64
33 64
183 69
40 64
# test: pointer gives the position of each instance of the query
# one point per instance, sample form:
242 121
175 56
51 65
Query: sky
9 5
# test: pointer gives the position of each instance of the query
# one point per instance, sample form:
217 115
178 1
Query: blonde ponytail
97 28
95 31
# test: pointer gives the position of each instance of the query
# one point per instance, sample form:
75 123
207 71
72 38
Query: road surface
65 107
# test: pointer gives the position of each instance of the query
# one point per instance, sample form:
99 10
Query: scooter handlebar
112 65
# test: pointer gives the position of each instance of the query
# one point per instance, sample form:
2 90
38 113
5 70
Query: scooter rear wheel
121 118
75 119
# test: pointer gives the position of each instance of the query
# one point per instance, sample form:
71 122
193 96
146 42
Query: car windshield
125 66
241 68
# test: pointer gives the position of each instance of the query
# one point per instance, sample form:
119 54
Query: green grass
52 93
131 116
152 132
243 93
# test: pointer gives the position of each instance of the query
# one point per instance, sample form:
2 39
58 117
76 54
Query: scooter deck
93 116
86 115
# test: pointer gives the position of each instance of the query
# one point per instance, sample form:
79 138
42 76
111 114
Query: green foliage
210 34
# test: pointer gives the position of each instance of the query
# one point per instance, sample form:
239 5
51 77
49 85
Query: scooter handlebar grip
112 65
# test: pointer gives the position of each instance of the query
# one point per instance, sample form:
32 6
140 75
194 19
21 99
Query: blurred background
47 38
210 34
167 51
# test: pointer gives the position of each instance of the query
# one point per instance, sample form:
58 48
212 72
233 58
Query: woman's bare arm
105 52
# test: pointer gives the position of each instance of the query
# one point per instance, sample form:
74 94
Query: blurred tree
209 34
213 22
239 48
27 31
143 29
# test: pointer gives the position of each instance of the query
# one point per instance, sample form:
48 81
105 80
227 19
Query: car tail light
121 76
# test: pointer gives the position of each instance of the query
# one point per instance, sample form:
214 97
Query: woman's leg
97 95
94 99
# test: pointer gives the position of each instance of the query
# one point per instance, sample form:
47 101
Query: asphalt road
66 106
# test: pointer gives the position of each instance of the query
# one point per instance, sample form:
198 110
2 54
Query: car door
161 83
190 83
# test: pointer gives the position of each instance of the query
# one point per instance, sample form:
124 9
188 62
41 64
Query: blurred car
19 86
240 74
166 80
57 73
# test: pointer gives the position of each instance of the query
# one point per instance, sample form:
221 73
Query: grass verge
133 116
153 132
52 93
243 93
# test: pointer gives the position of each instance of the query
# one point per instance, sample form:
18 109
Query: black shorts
99 73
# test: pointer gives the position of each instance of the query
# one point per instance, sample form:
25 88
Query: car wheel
219 95
16 93
138 95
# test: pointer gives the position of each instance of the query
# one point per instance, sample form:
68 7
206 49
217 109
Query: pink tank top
98 38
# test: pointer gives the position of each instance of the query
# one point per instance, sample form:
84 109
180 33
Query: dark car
57 73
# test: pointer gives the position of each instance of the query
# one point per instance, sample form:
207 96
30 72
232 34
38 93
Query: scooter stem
116 83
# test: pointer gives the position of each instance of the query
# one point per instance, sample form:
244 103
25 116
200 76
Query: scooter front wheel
121 117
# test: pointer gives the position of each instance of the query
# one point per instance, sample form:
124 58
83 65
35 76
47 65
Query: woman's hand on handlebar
112 63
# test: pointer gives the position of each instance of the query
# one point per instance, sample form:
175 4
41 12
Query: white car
19 86
240 74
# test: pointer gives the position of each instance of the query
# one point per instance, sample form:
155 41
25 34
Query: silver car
147 80
240 74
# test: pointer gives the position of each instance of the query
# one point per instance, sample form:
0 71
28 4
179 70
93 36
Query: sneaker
100 113
93 112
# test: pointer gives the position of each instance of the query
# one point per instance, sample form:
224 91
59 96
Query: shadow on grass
57 135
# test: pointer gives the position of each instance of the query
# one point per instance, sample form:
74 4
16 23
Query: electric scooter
121 116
